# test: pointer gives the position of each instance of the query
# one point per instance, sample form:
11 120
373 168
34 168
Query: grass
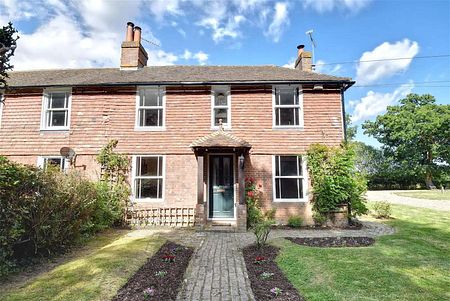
94 275
426 194
412 264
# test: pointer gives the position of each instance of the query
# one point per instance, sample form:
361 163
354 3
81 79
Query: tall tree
416 134
8 38
351 130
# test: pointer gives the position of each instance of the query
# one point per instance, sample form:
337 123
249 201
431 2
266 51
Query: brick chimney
133 54
303 61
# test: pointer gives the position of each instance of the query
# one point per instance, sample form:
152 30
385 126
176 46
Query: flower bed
333 242
267 280
160 277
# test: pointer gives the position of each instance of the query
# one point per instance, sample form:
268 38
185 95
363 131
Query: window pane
149 166
286 116
58 100
288 165
147 188
277 165
220 99
277 188
54 162
160 169
287 97
149 117
160 181
300 170
150 97
58 118
289 189
220 114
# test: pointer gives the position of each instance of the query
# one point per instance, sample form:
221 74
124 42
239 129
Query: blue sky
87 33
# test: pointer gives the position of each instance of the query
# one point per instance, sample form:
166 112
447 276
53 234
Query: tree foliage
351 130
335 179
8 40
415 135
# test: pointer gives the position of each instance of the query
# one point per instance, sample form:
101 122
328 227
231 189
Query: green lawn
96 274
412 264
426 194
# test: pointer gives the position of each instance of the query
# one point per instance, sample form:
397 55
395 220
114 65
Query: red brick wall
100 114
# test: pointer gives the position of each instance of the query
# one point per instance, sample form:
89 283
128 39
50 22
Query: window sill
216 128
148 200
291 128
59 129
290 201
150 129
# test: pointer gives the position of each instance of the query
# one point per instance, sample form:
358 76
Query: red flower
259 185
260 258
250 194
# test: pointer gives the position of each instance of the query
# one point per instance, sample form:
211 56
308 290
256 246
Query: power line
408 83
392 59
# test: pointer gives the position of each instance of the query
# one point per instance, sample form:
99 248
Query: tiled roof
220 138
167 75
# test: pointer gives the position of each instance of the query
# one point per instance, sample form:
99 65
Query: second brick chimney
133 54
303 61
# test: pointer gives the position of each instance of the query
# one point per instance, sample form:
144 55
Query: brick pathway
217 270
388 195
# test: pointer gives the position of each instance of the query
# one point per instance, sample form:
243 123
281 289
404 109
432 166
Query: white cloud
161 8
375 103
323 6
201 57
279 22
369 72
322 67
229 29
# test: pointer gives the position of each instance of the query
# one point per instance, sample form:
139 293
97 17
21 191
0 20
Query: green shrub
45 211
335 179
319 218
382 209
262 230
295 221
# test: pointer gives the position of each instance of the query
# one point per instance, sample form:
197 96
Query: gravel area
391 197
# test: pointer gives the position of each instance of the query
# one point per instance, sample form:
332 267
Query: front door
221 188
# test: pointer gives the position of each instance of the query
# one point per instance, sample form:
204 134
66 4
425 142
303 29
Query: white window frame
227 91
45 99
299 106
304 178
41 162
134 177
161 90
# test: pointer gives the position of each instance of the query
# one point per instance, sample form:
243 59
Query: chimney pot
129 36
137 34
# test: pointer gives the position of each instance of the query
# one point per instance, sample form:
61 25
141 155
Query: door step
220 227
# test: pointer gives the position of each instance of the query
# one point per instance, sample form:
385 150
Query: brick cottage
193 133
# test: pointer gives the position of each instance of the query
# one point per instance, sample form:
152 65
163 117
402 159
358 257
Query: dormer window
287 107
220 107
150 108
56 109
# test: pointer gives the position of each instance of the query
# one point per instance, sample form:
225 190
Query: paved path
217 270
388 195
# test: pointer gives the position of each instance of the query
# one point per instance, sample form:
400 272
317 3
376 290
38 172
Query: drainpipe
349 206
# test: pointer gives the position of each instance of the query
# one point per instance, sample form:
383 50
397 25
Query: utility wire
408 83
392 59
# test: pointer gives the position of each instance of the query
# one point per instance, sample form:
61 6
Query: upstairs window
150 108
56 162
56 110
289 180
148 172
287 106
220 106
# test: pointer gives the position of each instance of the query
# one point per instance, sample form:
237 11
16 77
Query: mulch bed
333 242
163 274
260 261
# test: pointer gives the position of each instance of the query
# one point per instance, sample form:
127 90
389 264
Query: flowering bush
276 291
252 192
149 292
